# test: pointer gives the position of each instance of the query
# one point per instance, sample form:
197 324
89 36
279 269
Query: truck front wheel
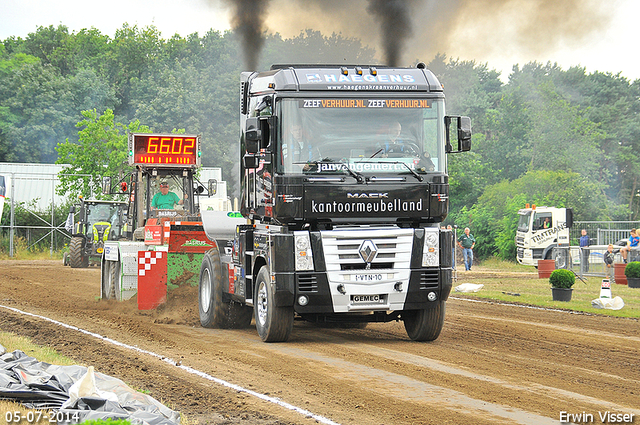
77 259
274 324
424 325
210 305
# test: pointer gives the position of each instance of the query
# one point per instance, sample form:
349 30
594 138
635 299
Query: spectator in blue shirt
584 251
634 240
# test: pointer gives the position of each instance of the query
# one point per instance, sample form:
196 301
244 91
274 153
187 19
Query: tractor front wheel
77 259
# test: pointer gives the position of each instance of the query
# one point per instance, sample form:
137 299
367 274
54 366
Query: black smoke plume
394 17
247 20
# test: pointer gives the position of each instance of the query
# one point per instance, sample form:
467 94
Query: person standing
608 260
467 242
584 250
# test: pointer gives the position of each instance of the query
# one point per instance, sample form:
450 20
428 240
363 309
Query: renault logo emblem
368 251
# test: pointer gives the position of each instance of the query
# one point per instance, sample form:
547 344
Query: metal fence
602 232
48 228
589 261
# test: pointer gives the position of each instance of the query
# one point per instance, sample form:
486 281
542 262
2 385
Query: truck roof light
527 205
533 207
344 70
373 70
272 85
358 70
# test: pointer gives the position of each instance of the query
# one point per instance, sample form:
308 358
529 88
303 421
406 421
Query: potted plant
561 281
632 271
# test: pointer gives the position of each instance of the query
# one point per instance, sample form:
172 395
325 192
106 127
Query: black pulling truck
344 183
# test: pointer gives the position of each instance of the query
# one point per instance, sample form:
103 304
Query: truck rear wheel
76 251
424 325
210 305
274 324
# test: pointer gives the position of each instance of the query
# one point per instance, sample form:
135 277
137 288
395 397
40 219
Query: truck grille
429 280
341 248
307 282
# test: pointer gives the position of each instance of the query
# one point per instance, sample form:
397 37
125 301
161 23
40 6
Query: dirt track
491 364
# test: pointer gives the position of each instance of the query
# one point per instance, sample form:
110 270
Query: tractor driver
165 200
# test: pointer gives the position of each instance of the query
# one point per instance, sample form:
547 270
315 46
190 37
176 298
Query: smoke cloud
406 31
395 24
465 28
247 19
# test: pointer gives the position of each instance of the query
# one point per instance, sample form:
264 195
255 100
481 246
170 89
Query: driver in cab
396 147
165 200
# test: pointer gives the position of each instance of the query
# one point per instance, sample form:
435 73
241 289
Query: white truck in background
540 229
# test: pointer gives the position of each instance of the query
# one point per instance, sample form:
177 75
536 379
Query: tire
210 305
274 324
562 262
105 279
76 257
424 325
112 280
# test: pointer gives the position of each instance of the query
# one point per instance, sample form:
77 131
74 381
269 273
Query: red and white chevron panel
152 279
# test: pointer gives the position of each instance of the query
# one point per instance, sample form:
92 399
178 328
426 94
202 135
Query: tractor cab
98 221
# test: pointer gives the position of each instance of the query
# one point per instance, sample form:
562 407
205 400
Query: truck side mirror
252 135
251 161
106 185
212 187
569 218
462 134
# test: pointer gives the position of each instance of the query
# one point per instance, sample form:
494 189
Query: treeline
547 136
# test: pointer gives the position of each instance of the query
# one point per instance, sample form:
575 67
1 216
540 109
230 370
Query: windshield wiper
416 175
359 178
376 153
412 171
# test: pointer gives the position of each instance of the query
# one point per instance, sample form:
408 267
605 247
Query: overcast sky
599 37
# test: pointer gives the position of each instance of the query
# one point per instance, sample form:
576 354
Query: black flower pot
633 282
561 294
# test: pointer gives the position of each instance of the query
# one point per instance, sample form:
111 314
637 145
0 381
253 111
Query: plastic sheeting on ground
615 303
76 391
469 287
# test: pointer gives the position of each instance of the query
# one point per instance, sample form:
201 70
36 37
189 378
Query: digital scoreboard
164 150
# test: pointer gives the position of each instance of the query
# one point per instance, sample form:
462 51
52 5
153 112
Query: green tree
101 151
494 217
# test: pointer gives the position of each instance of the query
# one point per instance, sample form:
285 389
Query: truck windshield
369 135
523 221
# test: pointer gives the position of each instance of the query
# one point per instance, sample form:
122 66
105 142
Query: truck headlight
431 249
303 254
